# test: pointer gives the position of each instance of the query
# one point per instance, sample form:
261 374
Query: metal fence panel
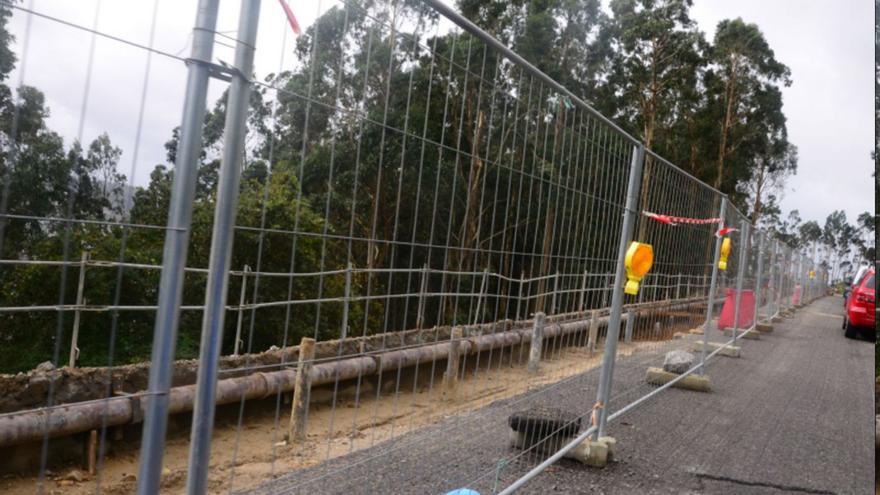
430 243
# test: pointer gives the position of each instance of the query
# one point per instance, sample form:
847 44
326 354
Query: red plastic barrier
796 297
746 309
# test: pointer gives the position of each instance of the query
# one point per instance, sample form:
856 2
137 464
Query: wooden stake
93 452
450 378
537 343
301 392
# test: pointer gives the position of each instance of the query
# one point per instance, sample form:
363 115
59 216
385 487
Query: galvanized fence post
221 249
613 330
740 272
798 279
175 249
780 278
80 300
759 274
710 303
787 278
771 283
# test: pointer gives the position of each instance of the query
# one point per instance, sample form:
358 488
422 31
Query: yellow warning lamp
639 259
812 273
725 252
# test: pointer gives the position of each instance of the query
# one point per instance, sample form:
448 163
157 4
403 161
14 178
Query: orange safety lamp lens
639 259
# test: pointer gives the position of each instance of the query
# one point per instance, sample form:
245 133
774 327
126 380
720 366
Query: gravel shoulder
792 415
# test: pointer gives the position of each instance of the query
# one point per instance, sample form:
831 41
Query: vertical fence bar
80 288
740 272
713 286
175 250
221 249
613 330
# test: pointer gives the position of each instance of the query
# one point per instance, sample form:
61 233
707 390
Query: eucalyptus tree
742 85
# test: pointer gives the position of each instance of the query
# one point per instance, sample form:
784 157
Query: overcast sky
828 44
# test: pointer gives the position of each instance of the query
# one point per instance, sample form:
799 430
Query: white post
241 299
74 350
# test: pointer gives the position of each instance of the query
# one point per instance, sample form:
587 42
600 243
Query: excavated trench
361 358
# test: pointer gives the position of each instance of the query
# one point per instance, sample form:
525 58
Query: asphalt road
792 415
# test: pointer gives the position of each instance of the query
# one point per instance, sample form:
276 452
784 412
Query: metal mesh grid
426 208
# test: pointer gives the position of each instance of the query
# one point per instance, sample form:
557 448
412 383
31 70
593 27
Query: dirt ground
365 414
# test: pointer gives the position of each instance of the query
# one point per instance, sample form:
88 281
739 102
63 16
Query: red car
860 308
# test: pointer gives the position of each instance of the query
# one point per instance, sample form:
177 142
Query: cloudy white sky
827 44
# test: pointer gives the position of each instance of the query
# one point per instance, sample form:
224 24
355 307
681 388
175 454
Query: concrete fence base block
776 319
696 331
764 327
596 453
656 376
729 351
728 332
611 444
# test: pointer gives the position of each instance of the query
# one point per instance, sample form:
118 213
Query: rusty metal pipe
31 425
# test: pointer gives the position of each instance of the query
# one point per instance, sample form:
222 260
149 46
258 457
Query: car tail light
862 298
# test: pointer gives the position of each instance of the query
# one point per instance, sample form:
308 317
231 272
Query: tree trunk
759 191
727 123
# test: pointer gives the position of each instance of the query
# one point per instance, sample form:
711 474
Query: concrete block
728 332
594 453
611 444
764 327
597 455
589 452
581 452
678 335
696 331
656 376
729 351
776 319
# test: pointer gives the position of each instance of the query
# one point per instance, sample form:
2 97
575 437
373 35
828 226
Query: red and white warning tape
291 19
673 221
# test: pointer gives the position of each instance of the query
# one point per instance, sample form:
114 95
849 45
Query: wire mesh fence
411 238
